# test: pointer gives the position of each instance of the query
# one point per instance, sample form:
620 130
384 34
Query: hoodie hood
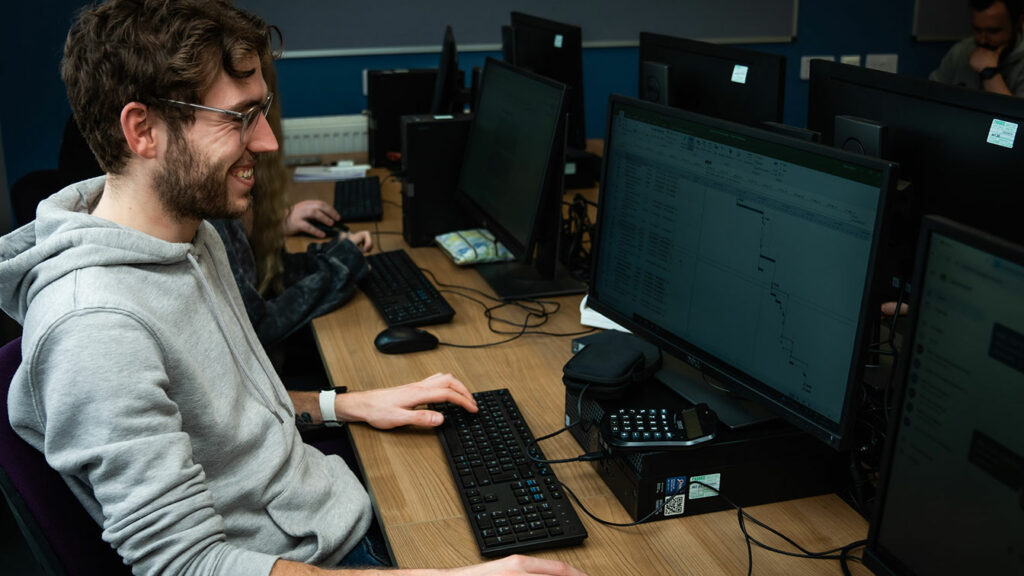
63 238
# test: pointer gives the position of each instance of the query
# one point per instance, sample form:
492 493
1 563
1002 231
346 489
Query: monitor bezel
838 436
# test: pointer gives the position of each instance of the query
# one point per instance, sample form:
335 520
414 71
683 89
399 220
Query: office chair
75 162
62 537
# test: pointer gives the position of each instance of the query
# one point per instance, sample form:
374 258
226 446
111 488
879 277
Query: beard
191 187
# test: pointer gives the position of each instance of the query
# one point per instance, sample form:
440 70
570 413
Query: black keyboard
401 293
514 504
358 199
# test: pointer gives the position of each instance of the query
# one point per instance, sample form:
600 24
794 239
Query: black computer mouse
403 339
331 231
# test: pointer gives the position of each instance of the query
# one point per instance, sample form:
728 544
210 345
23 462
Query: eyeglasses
249 118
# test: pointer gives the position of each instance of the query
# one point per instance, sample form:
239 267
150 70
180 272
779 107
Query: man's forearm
307 407
288 568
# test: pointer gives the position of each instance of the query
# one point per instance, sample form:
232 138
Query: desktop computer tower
432 148
391 94
767 462
582 169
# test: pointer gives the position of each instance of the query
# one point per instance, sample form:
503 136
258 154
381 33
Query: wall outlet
805 64
851 59
883 62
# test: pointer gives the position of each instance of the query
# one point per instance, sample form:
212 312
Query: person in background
284 291
993 58
142 380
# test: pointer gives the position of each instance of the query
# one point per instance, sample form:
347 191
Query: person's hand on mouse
298 220
396 406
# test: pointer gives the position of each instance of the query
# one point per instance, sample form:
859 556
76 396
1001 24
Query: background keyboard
401 292
514 504
358 199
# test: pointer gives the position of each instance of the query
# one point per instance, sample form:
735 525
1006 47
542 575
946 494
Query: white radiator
325 135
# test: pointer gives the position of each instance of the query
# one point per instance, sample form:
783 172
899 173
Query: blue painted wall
33 106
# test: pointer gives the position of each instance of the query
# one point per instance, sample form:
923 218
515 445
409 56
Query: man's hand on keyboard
517 564
396 406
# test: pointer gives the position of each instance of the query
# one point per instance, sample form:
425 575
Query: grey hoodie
145 386
956 69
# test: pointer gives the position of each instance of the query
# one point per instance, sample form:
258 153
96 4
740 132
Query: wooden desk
411 486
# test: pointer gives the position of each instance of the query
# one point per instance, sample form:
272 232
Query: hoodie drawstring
234 353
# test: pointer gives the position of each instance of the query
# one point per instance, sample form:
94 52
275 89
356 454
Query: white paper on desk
329 173
589 317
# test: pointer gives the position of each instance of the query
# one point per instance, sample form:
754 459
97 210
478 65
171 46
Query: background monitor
721 81
958 149
553 50
746 253
450 95
511 179
951 489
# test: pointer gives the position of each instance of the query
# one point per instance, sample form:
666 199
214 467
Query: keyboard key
401 292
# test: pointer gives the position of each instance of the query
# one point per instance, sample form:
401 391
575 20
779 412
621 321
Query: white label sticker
739 74
1002 133
675 494
700 491
558 40
570 168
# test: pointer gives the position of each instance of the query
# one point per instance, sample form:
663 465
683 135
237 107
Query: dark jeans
369 553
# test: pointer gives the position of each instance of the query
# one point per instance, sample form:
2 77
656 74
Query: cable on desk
742 517
657 510
537 310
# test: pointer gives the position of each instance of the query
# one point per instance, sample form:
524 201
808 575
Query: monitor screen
721 81
511 175
951 490
956 147
746 253
553 50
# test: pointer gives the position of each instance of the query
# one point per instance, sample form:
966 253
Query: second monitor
721 81
511 179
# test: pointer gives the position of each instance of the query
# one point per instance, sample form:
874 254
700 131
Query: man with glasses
142 381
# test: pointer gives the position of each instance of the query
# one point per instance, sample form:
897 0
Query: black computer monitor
511 179
450 95
956 147
745 253
554 50
721 81
951 488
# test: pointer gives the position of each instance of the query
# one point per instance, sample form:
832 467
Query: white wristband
327 408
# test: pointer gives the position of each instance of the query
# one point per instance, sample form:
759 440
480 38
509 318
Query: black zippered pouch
610 364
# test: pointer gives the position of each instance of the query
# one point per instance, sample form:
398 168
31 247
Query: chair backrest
60 533
31 189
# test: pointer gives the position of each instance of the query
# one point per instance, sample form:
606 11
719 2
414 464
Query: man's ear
138 126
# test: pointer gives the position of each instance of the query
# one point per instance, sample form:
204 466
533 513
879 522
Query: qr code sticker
675 506
675 494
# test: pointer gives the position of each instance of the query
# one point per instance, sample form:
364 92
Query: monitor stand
733 411
518 281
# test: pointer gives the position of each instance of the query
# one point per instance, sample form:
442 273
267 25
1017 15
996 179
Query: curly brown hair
124 51
270 204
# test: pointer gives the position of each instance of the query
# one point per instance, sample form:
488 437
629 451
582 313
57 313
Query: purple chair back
62 536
